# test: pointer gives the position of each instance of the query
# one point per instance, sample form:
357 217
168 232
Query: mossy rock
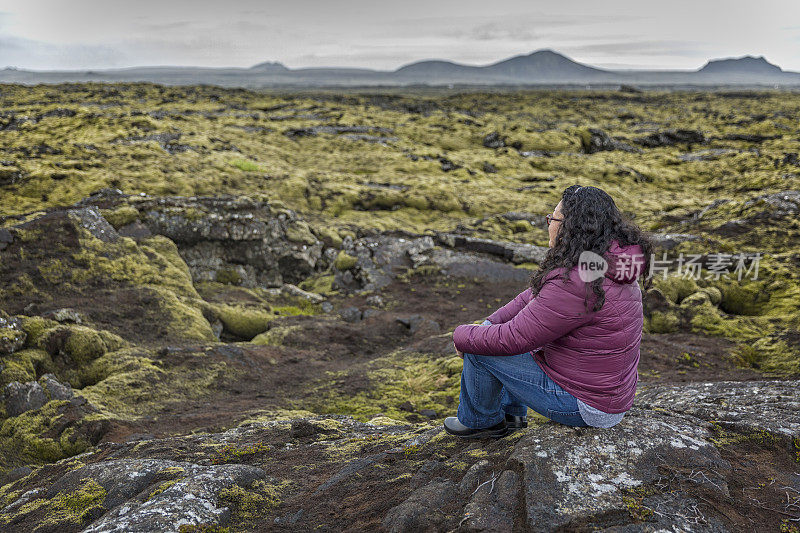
243 322
743 299
25 365
714 294
663 322
676 288
80 343
121 216
344 261
299 231
275 336
30 437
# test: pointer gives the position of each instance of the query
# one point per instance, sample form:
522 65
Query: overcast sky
681 34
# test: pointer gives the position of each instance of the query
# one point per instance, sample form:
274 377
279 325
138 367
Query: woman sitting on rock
567 346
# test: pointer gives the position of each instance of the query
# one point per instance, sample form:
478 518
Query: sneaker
454 427
516 422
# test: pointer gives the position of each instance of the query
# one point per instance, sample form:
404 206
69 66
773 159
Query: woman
568 345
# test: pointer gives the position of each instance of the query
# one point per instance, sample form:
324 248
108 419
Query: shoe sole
496 434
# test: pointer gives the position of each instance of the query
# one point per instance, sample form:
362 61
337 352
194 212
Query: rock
533 218
668 241
65 314
424 510
351 314
379 258
429 413
54 389
406 406
494 505
12 336
472 266
91 219
773 406
511 251
21 397
193 499
780 204
493 140
579 475
789 158
489 168
750 137
367 313
376 300
135 230
6 238
266 246
706 155
447 165
417 323
294 133
629 89
596 140
294 290
671 137
327 307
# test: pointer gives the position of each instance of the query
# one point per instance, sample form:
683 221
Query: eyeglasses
551 218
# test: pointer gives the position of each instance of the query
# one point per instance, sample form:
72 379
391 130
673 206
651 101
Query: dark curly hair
591 220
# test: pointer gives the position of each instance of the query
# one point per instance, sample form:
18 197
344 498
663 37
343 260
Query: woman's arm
510 310
554 312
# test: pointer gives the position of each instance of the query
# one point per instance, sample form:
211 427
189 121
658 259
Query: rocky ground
261 360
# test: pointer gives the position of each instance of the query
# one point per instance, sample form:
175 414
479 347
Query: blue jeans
493 386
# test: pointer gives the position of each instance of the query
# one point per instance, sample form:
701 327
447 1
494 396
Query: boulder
671 137
12 336
595 140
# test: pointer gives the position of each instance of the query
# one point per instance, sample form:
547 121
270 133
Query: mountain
541 67
743 65
270 66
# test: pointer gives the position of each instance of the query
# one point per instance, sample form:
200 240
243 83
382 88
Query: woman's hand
460 354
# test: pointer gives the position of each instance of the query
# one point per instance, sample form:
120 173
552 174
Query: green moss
202 528
121 216
35 327
676 288
427 381
163 486
299 231
236 453
344 261
320 284
243 321
662 322
22 437
80 343
126 385
275 336
246 165
739 298
248 504
329 236
229 276
25 365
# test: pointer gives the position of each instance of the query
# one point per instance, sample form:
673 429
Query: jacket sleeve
510 310
554 312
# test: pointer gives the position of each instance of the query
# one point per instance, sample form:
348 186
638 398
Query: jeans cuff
480 423
516 411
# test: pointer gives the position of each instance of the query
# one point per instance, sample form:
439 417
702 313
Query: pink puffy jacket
593 355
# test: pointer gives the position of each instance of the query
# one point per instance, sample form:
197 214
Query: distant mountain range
542 67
